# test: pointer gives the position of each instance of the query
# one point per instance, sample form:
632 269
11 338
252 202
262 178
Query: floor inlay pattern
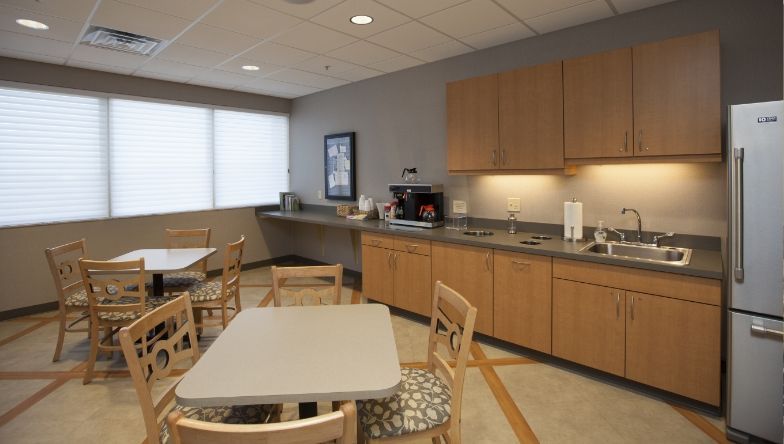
507 397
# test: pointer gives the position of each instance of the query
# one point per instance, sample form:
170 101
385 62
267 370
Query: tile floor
505 400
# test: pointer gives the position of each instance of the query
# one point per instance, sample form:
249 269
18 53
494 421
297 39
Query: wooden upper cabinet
677 109
472 124
598 105
531 117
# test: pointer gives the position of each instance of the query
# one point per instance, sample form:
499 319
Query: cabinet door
677 106
531 117
588 325
468 270
472 124
598 105
413 285
377 274
522 299
674 345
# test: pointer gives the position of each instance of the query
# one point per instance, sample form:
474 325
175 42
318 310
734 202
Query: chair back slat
114 286
339 426
307 293
149 363
232 266
64 266
191 238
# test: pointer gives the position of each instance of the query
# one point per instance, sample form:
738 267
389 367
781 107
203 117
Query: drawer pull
764 330
375 242
521 263
412 247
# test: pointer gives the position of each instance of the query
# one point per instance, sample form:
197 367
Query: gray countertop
704 263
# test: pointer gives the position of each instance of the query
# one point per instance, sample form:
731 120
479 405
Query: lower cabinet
674 345
522 299
377 274
469 271
413 286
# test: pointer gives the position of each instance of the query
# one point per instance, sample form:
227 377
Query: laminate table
297 354
166 260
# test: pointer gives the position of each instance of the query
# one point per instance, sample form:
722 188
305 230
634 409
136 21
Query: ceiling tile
100 67
221 78
275 54
420 8
76 10
316 65
338 18
442 51
130 18
396 63
498 36
306 78
59 29
216 39
535 8
37 45
362 53
315 38
624 6
31 56
250 19
159 76
409 37
469 18
187 9
160 66
104 56
193 56
565 18
235 65
274 86
359 73
302 10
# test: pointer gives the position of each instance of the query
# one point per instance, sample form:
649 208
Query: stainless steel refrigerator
756 271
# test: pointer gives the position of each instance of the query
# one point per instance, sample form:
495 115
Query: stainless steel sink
649 253
478 233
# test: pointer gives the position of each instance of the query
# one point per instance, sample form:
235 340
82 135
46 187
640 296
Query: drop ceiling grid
209 40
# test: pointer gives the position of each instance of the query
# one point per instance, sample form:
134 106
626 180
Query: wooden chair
216 295
181 280
116 297
71 295
307 294
150 362
431 390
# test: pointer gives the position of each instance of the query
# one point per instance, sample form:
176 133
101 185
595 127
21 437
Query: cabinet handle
632 308
395 261
625 142
492 158
503 157
618 306
487 261
521 263
764 330
389 259
639 141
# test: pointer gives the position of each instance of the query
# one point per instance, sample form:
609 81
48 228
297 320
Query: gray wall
400 122
23 269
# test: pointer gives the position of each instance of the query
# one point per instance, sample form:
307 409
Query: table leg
157 284
308 409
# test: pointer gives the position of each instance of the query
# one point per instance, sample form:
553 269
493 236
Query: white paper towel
573 217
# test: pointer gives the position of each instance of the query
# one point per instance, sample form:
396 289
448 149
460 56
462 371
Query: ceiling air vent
120 41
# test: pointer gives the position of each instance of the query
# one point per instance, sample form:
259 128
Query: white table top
297 354
162 260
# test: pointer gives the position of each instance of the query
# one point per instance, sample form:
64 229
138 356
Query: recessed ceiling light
361 19
250 68
32 24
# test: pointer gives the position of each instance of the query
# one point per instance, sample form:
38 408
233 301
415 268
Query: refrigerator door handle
759 329
737 158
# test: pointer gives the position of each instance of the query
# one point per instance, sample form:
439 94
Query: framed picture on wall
340 180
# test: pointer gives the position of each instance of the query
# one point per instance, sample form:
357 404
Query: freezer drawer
755 376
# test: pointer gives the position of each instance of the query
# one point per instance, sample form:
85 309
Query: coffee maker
418 205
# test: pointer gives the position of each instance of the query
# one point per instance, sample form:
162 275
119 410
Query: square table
297 354
166 260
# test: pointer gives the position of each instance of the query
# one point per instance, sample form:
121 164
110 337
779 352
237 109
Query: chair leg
224 316
94 339
361 438
60 338
107 336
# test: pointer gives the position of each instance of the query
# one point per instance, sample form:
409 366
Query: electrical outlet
513 204
318 194
458 206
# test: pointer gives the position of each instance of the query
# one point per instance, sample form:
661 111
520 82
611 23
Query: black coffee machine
418 205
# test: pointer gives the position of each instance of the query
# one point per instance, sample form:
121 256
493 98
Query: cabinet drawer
377 240
412 245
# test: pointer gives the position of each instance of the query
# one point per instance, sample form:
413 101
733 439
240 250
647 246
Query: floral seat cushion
205 291
239 414
77 299
421 403
183 278
150 304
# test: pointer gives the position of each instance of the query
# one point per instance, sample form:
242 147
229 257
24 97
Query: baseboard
27 311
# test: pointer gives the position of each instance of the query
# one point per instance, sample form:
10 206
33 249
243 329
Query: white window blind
160 157
251 158
52 157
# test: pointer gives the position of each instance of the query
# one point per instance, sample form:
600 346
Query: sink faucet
639 222
621 236
658 238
